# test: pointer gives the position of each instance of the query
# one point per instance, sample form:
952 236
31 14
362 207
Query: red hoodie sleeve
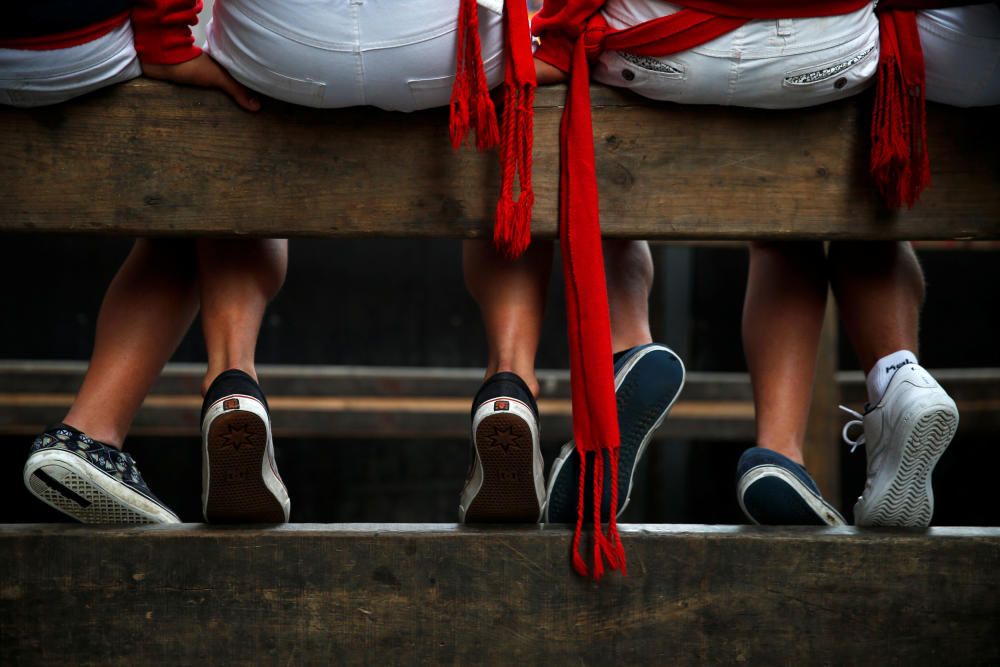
163 30
558 24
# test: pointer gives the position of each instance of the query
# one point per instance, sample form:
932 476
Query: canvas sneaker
904 436
240 480
774 490
506 477
90 481
648 380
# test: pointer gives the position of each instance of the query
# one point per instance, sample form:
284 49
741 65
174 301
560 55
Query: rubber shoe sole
76 488
908 498
506 486
645 423
239 482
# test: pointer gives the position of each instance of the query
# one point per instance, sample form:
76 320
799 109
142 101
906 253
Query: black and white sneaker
648 380
506 477
240 481
90 481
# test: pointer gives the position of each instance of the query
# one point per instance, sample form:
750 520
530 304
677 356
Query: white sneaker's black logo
896 367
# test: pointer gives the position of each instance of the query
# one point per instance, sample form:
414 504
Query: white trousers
791 63
35 78
394 54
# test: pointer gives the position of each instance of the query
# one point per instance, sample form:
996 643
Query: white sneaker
904 436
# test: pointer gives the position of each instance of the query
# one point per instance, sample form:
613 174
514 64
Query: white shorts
393 54
962 54
779 64
36 78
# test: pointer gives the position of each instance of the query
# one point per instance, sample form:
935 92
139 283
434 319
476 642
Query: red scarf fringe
900 165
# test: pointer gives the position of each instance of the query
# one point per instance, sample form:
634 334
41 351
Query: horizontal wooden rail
440 594
147 158
388 402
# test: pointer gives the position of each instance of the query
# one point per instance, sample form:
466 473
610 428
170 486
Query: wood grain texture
439 594
387 402
149 158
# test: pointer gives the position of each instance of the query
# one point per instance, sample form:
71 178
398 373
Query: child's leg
506 477
628 267
648 379
147 309
910 420
879 289
237 279
782 320
76 467
511 298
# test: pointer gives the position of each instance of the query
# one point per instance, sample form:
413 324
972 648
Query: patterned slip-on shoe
648 380
506 482
90 481
904 436
240 480
774 490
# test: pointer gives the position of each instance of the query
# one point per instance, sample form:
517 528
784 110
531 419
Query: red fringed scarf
472 108
900 165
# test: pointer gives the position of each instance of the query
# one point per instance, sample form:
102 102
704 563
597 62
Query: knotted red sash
472 108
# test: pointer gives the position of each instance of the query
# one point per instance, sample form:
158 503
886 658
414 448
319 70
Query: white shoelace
859 420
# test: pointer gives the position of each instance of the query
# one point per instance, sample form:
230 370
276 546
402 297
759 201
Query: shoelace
859 420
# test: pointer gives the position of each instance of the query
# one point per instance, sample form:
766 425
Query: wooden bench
436 594
148 158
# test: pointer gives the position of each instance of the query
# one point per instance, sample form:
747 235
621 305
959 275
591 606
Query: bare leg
511 298
147 309
782 319
879 289
628 266
237 279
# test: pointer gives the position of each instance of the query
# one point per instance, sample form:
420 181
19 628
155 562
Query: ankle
526 374
96 431
788 450
215 371
880 375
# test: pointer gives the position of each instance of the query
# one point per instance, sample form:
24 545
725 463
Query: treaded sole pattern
909 498
60 487
237 446
505 449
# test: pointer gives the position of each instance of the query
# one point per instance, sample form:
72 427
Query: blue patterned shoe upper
107 459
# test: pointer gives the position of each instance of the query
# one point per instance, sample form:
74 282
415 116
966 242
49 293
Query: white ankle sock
881 374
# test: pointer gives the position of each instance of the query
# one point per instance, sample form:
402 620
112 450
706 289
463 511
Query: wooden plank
53 377
391 402
148 158
369 416
440 594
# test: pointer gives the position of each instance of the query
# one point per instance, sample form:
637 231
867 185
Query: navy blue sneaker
90 481
774 490
648 380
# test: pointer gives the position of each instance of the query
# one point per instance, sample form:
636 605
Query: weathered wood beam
439 594
147 158
387 402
